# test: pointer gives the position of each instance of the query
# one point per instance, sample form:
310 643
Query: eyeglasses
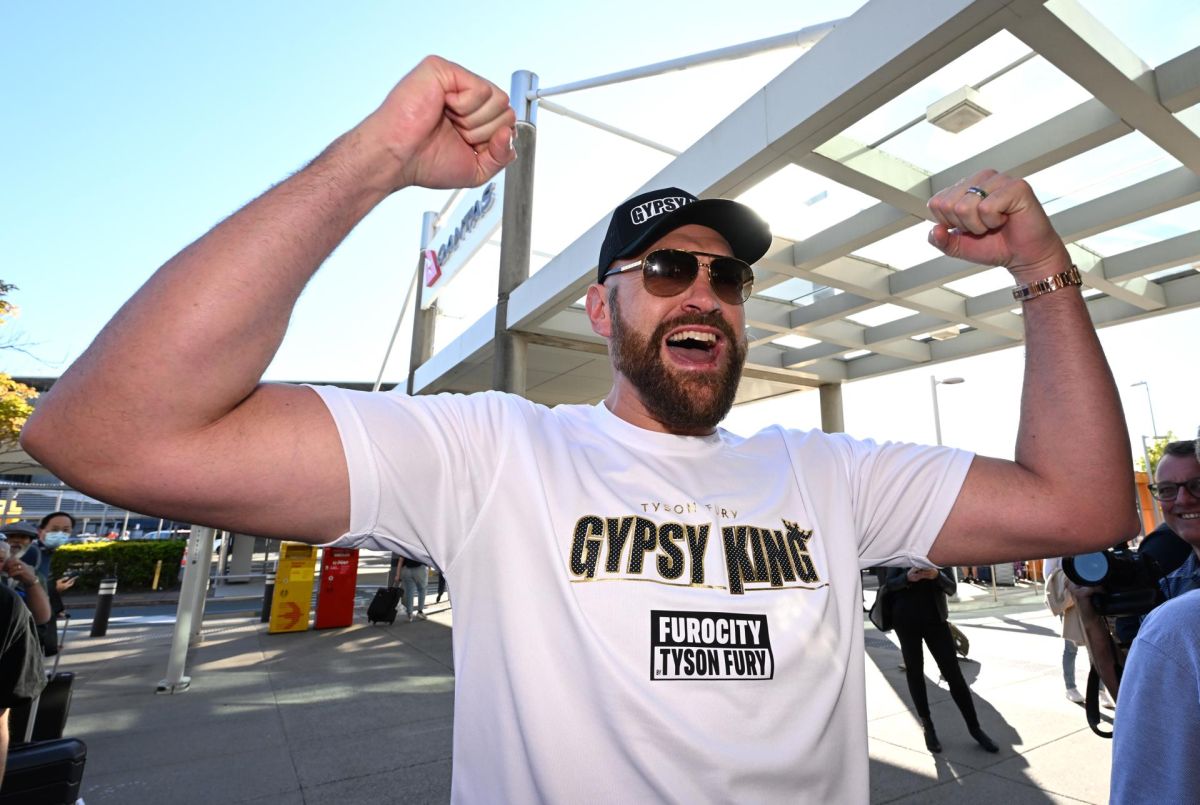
669 272
1168 491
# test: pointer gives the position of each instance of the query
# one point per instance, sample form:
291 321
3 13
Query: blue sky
134 127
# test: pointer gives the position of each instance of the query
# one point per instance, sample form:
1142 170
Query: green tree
15 398
1154 449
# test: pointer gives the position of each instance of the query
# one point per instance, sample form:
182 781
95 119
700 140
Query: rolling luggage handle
33 706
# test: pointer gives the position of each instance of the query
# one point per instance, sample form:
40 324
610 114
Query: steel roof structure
829 307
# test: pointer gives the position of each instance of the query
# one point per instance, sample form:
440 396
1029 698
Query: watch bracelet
1055 282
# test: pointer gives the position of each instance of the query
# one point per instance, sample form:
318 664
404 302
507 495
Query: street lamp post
937 429
1146 449
1153 425
937 417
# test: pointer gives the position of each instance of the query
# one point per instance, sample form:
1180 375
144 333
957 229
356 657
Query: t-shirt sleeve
900 496
420 467
22 675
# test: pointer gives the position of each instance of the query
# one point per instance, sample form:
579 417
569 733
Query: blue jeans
1069 652
414 580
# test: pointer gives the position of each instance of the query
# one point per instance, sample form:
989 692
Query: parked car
175 533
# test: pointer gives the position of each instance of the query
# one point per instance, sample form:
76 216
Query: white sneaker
410 617
421 616
1074 695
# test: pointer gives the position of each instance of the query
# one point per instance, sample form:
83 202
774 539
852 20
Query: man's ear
599 313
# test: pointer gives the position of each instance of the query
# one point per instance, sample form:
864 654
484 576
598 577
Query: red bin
335 597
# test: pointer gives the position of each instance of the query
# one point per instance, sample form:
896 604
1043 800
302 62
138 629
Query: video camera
1130 579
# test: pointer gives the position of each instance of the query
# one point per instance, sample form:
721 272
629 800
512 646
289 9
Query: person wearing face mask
53 532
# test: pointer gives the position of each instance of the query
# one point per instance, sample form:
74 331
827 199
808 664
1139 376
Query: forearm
212 317
1101 650
1072 438
1071 442
38 602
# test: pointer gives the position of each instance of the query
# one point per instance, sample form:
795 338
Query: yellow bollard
157 572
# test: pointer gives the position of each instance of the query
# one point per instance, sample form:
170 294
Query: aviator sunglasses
668 272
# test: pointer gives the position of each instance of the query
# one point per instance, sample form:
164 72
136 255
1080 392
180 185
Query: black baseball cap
643 219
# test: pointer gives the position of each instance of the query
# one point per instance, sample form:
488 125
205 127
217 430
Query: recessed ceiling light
959 110
945 334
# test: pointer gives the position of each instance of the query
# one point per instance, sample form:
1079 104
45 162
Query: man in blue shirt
1157 731
1156 740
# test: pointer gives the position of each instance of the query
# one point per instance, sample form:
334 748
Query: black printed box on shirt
709 645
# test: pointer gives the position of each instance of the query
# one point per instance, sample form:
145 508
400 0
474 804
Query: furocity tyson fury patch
709 645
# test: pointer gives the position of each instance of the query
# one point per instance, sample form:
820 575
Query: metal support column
204 588
241 558
195 580
831 408
424 321
509 363
222 560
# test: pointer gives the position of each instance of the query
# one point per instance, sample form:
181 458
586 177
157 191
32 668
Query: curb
119 601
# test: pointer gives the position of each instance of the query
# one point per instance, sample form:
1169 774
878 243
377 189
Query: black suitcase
54 705
44 773
383 606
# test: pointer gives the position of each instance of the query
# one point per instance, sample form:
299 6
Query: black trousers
937 636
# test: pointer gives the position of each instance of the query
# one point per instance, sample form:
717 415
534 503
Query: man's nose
701 295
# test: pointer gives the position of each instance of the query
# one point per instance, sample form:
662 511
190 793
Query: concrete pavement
364 714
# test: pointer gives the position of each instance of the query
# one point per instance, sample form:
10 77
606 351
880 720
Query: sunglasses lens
732 279
668 272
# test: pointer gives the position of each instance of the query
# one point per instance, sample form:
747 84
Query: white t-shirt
638 615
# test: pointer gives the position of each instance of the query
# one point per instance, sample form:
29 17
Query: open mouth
694 347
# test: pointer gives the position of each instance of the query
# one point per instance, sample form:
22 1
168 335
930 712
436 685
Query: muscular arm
1072 444
198 438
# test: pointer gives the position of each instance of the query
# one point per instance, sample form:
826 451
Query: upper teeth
1190 516
694 335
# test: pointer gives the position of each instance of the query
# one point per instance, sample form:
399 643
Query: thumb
945 240
500 151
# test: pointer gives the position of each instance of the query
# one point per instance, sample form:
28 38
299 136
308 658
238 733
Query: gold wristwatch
1063 279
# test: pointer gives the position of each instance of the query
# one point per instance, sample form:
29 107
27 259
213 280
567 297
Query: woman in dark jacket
920 613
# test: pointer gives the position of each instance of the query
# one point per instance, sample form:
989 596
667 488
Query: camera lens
1091 568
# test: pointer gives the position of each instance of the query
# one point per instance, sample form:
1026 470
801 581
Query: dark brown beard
681 404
